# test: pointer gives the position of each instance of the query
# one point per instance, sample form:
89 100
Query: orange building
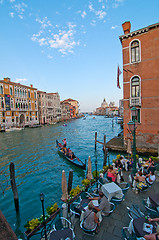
140 50
18 104
74 103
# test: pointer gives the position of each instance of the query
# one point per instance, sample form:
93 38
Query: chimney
126 27
31 85
7 79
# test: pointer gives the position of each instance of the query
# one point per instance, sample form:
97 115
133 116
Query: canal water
38 166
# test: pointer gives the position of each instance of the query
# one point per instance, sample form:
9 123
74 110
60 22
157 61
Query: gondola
75 160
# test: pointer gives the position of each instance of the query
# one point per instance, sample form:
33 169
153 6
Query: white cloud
101 14
11 1
83 15
20 9
64 40
20 80
11 14
93 23
114 27
1 1
44 22
91 7
49 56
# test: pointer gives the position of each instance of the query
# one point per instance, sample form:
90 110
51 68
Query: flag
118 74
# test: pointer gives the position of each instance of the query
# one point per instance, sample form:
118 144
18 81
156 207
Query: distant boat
119 120
65 125
13 129
75 160
93 117
84 118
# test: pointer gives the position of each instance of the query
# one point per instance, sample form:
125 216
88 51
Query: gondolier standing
64 142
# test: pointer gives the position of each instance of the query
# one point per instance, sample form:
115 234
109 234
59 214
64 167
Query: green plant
105 168
75 191
118 156
85 182
51 209
32 224
94 174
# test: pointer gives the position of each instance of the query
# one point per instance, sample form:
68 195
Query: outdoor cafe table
112 190
61 234
154 199
138 224
81 207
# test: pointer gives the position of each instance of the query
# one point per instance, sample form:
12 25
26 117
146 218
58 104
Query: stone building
74 103
18 104
140 50
49 107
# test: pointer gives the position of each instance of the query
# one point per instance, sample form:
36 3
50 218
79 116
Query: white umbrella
89 174
64 187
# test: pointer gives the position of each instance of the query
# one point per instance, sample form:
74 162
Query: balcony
135 101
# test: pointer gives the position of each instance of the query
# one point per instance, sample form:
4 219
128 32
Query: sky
69 46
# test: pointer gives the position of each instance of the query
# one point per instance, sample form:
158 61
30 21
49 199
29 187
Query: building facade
49 107
74 103
18 106
140 50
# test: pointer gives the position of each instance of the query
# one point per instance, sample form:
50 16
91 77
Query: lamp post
132 128
42 201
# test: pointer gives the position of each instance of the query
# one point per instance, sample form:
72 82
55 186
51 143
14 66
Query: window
34 94
135 51
29 94
135 87
1 90
11 91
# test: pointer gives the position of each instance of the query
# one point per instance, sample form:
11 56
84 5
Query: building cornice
137 32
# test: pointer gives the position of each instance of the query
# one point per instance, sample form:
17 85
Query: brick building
140 50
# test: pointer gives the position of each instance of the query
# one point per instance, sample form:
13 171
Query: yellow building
18 104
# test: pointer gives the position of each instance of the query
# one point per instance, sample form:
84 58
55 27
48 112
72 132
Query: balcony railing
135 101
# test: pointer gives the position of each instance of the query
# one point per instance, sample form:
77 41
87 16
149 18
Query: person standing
64 143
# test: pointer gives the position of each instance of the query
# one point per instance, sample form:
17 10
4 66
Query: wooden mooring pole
70 178
95 140
14 187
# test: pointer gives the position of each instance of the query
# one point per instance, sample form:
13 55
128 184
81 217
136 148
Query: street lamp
132 128
42 201
96 175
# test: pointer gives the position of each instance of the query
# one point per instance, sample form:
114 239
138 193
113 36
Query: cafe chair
135 212
126 235
74 213
109 212
124 186
117 201
151 210
90 232
62 224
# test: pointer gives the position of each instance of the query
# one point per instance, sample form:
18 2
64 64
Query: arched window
135 51
1 89
11 91
135 87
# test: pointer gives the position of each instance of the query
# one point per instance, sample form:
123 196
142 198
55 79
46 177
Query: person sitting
151 165
90 218
103 180
139 181
111 174
119 166
150 178
104 205
153 236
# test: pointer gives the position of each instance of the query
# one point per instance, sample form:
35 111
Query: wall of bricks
148 71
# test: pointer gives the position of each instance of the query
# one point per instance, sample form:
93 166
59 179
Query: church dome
104 104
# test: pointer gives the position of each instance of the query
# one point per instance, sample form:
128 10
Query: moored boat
74 159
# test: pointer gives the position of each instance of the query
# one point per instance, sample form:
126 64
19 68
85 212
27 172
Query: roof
140 31
70 100
17 84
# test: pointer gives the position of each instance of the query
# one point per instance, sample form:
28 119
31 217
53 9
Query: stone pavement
110 228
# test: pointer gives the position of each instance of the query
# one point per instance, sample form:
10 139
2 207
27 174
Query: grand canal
39 167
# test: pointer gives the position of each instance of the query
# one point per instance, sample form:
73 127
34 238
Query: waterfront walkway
111 226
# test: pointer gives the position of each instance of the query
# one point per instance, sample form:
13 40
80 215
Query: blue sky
71 47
